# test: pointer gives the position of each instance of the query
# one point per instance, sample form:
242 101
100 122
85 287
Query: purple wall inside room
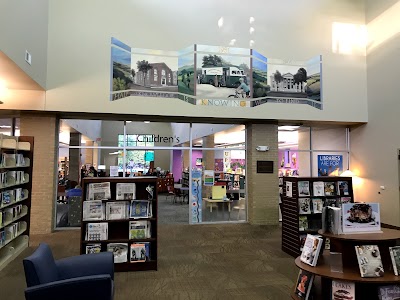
177 164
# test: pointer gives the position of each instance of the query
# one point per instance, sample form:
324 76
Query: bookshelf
118 229
365 287
185 179
292 217
16 160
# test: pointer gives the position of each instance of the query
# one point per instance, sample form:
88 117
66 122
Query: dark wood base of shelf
139 266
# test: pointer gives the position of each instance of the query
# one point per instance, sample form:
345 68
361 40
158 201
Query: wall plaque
265 166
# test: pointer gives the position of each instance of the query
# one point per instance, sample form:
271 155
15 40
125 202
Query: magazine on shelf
93 210
20 160
6 197
2 238
311 249
93 248
343 200
289 189
138 252
317 205
126 191
303 188
334 202
8 160
120 252
302 238
318 188
395 256
361 217
116 210
98 191
304 206
329 188
389 292
343 188
96 231
140 229
140 209
303 223
343 290
369 261
304 284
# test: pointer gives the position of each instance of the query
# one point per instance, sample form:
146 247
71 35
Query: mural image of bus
222 76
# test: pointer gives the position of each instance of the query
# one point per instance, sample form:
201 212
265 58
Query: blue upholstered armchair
89 276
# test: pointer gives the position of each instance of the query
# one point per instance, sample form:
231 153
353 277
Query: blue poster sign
196 198
330 165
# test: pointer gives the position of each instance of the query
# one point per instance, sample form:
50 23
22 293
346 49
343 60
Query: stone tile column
262 188
44 129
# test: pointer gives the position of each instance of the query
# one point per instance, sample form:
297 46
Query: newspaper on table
98 191
126 191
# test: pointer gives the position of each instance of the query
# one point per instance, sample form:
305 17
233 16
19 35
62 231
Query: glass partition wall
174 152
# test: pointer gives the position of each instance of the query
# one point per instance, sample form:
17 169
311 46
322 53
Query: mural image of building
159 75
286 84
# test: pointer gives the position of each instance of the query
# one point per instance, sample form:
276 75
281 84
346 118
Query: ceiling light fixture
251 30
221 22
232 42
251 20
146 122
288 128
251 43
128 121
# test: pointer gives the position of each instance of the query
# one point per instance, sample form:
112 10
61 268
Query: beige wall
262 189
43 128
24 26
79 33
374 147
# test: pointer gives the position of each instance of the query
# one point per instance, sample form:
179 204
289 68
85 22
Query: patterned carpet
227 261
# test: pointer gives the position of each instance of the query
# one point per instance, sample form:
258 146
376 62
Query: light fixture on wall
146 122
348 172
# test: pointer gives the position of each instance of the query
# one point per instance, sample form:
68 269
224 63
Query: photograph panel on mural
260 74
186 74
120 69
154 74
313 84
223 76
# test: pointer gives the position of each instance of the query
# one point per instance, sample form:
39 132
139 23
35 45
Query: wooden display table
365 288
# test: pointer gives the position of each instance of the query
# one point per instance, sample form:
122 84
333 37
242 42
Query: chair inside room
178 194
171 193
240 205
88 276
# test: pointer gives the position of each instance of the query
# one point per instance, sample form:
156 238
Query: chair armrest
99 287
86 265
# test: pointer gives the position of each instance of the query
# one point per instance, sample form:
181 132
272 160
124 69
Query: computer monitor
218 192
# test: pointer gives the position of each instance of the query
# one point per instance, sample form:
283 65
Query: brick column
262 189
43 127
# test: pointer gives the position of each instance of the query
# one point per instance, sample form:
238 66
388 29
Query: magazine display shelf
14 245
365 288
118 230
290 211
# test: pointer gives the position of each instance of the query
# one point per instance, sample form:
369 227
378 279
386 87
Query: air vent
28 57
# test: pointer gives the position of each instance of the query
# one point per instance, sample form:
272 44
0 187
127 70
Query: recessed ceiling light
232 42
128 121
221 22
251 30
251 20
288 128
147 122
251 43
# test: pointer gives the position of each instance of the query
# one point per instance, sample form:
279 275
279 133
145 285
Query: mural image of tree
119 84
300 76
144 67
278 78
212 61
133 74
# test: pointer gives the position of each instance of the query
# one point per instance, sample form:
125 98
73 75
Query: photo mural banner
214 76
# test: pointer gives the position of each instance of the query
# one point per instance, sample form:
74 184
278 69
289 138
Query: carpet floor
195 262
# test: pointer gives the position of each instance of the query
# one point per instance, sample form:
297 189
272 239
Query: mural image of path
209 91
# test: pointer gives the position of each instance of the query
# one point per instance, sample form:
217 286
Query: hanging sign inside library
214 76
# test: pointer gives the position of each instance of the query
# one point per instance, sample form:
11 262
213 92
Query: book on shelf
96 231
311 249
6 197
343 188
332 220
20 160
395 256
8 160
140 229
302 238
304 205
303 223
93 210
329 188
369 261
126 191
304 284
140 209
289 189
11 231
98 191
303 188
120 252
317 205
117 210
93 248
138 253
318 188
361 217
343 290
389 292
2 238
